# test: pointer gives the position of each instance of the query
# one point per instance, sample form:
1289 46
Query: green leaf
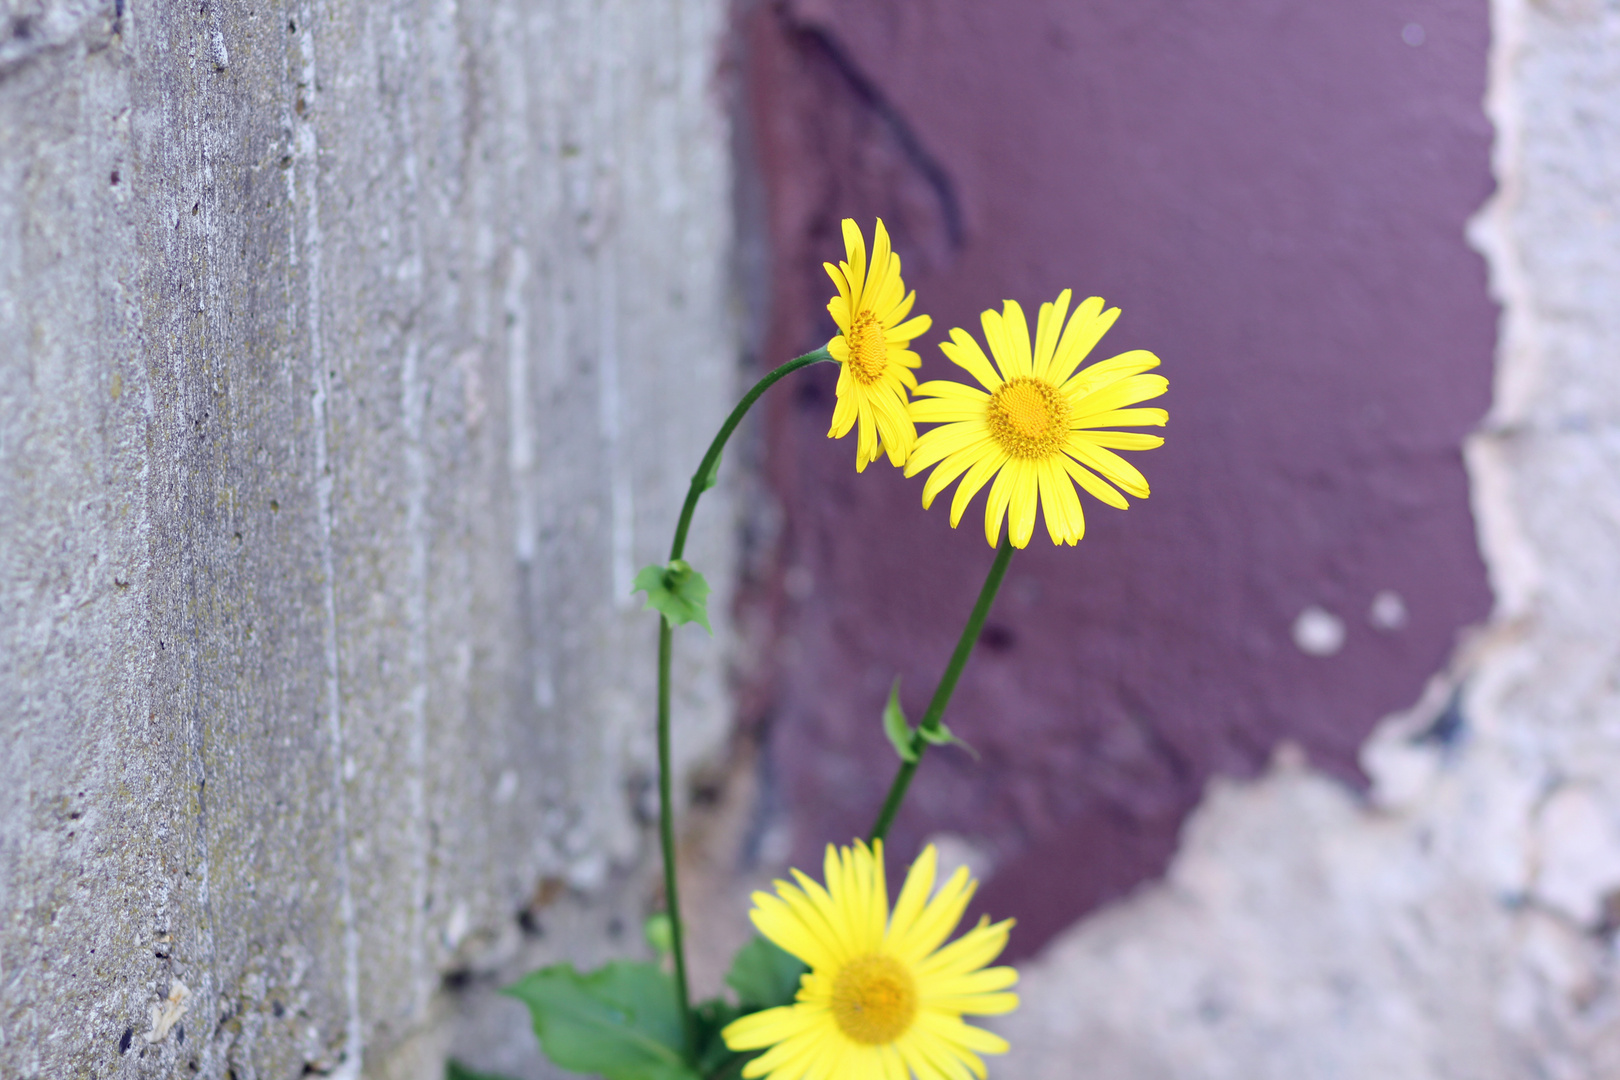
676 591
764 974
455 1070
711 1017
940 735
895 726
619 1021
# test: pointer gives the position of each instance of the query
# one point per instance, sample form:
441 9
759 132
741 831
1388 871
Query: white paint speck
460 923
506 787
1318 632
167 1013
1388 611
1412 34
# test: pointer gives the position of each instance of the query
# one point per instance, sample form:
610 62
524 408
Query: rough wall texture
1461 921
1275 193
352 357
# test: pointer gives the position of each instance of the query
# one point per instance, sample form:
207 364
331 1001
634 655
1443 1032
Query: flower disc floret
874 999
868 349
1028 417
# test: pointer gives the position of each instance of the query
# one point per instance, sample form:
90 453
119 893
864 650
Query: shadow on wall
1276 197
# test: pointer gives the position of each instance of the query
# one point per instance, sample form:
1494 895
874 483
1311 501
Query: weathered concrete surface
352 356
1461 922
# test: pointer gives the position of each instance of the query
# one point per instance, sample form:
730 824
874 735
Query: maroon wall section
1275 193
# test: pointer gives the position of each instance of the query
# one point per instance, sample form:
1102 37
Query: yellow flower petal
1119 440
965 353
1086 327
1123 418
1022 504
986 467
1118 471
1126 391
1093 485
1108 371
855 260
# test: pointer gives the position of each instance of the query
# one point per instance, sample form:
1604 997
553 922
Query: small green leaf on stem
619 1021
764 975
940 735
660 933
676 591
895 725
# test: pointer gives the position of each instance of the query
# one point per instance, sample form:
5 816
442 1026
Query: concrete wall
1460 922
353 355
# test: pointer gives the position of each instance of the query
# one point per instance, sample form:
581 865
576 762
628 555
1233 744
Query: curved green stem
942 693
702 481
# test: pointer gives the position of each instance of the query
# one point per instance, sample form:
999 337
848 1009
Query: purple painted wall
1275 193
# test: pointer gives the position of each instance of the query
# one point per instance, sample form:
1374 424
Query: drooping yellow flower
1037 424
881 997
873 349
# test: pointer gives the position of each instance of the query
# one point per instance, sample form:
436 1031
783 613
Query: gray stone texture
353 355
1459 922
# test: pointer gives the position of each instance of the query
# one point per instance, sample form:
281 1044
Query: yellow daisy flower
881 997
873 349
1037 423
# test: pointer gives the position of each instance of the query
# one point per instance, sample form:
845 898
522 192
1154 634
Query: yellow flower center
874 999
1029 417
868 348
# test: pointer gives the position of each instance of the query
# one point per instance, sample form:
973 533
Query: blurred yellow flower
873 349
1036 424
882 997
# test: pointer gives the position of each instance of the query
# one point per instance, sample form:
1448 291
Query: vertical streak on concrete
622 513
307 164
413 409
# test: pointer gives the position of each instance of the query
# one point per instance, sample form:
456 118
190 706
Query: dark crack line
928 166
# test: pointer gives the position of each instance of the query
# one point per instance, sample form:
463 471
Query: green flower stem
666 839
942 693
702 481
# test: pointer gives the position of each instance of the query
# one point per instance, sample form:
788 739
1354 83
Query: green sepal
940 735
619 1021
455 1070
764 974
712 477
676 591
896 727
